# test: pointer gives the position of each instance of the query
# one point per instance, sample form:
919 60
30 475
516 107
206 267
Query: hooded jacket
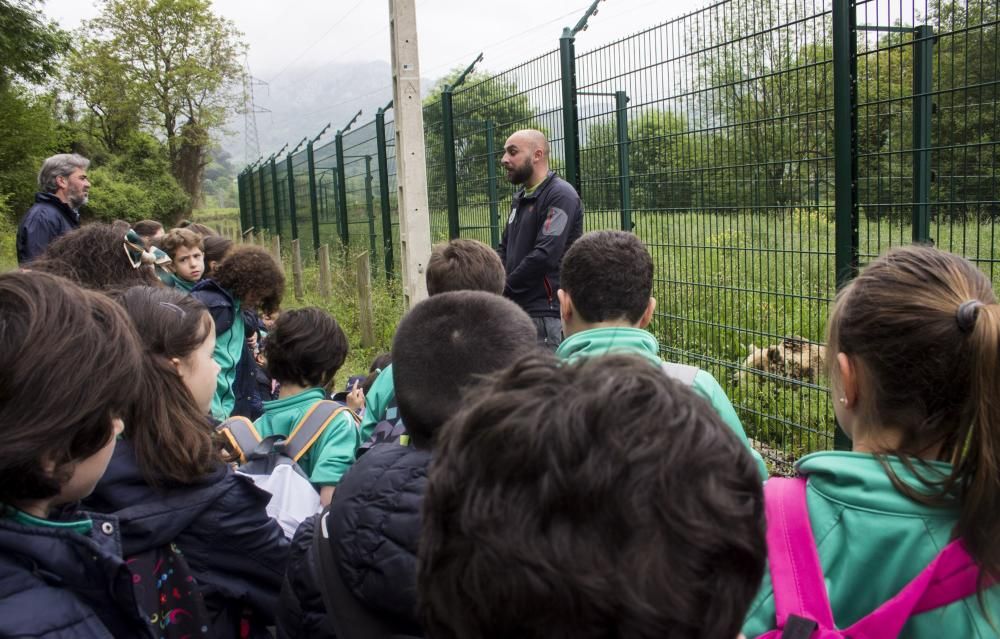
636 341
237 390
236 552
48 218
872 540
58 583
541 226
375 519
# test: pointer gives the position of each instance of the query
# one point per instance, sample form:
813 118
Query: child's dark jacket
375 520
222 307
61 584
236 552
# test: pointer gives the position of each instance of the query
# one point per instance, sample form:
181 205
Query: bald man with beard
546 217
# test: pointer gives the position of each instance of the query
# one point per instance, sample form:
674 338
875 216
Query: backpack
801 603
272 462
168 593
389 430
680 373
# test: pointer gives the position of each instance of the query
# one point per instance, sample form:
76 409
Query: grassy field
725 282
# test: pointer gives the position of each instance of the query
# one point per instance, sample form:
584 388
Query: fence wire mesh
712 137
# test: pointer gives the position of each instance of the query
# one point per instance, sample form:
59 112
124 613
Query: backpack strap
242 436
312 425
951 576
345 615
800 600
681 373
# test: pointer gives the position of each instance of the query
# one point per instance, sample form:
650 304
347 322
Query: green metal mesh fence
712 137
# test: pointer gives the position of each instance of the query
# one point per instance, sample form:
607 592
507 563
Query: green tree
30 47
479 99
102 82
180 64
765 103
660 159
30 51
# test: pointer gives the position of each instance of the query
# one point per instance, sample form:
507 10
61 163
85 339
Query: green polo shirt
180 283
872 541
332 454
82 526
635 341
376 401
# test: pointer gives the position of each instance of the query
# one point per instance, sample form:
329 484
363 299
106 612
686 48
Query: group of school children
476 486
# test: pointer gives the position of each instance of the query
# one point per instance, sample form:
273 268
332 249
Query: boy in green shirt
459 265
304 351
606 281
186 250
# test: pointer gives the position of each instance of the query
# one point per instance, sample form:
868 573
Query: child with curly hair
247 280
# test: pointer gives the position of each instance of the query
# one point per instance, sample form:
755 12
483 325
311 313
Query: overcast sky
286 33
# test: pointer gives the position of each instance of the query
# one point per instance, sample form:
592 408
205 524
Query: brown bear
795 358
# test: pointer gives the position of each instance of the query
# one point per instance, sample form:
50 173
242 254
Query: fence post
624 173
291 196
241 200
923 64
450 179
251 200
342 190
370 207
383 189
297 269
276 250
571 130
263 204
366 315
313 200
324 271
491 184
845 157
275 197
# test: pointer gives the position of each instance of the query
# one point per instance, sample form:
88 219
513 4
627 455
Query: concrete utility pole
411 167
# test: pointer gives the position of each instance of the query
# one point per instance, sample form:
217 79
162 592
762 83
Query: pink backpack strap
951 576
800 599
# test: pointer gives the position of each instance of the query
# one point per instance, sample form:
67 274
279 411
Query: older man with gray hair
63 188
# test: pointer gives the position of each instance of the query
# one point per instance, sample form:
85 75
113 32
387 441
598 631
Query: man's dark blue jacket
56 583
48 218
236 552
540 228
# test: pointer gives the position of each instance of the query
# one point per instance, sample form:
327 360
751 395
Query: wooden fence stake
324 271
366 315
276 250
297 269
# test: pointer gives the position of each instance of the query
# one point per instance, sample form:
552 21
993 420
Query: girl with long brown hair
167 482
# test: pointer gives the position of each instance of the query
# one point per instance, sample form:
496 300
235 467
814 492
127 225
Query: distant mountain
304 99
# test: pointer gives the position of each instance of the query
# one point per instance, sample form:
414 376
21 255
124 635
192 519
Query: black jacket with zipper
540 227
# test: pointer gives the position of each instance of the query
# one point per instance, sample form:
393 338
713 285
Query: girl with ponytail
915 382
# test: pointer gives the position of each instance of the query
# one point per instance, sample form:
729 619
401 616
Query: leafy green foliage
480 99
137 184
30 48
28 134
167 64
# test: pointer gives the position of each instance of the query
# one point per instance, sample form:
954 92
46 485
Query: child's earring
843 400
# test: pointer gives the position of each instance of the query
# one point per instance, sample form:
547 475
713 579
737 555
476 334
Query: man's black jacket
541 226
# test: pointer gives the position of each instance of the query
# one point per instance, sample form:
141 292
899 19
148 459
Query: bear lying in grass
795 358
